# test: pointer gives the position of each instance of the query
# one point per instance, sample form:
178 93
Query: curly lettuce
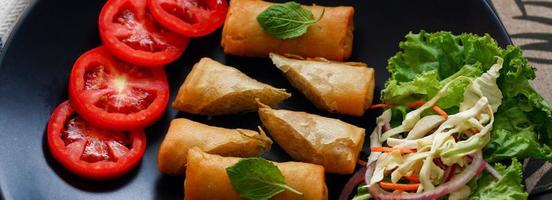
509 187
523 125
441 51
424 86
428 61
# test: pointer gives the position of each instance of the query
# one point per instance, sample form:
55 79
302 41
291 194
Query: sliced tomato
129 31
191 18
89 151
116 95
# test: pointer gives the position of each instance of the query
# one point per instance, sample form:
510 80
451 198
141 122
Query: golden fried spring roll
184 134
331 37
339 87
212 88
311 138
206 178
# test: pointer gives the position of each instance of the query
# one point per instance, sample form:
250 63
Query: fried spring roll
311 138
184 134
212 88
331 37
206 178
338 87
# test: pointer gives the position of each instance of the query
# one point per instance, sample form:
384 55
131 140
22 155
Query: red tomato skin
93 171
127 53
112 121
176 25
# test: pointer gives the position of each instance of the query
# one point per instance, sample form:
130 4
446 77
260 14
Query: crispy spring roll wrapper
331 37
212 88
311 138
184 134
206 178
338 87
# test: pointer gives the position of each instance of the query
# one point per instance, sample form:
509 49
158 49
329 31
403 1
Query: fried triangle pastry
311 138
338 87
212 88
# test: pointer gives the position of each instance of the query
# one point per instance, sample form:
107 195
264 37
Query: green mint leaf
257 179
287 21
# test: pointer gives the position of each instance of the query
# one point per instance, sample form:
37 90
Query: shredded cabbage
434 137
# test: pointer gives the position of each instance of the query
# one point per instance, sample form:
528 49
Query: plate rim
15 29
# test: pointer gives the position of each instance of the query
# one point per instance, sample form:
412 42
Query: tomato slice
89 151
191 18
115 95
129 31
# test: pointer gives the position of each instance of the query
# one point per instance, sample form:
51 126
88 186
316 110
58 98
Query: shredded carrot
415 179
415 104
389 149
440 112
379 105
398 186
361 162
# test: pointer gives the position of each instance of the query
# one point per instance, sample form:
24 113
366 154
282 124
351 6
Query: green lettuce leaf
510 187
423 85
523 126
397 115
455 94
441 51
514 136
427 84
428 61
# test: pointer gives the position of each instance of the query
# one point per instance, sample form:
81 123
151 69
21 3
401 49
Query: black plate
39 56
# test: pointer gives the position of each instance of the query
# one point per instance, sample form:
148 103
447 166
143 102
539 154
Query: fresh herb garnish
258 179
286 21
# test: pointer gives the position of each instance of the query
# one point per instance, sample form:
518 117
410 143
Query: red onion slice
449 173
439 163
356 179
386 127
477 165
